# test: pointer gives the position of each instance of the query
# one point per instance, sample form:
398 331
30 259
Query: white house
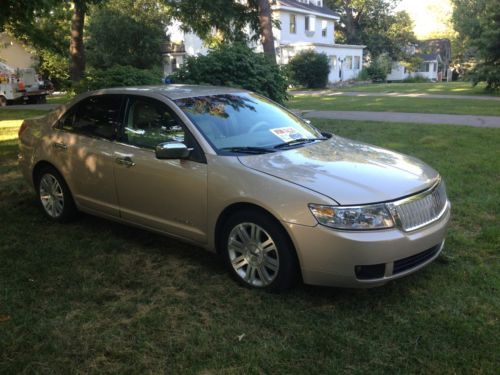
14 54
428 69
305 25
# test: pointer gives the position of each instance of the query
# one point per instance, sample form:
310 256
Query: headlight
353 218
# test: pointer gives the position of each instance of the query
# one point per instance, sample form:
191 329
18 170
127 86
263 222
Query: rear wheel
258 252
54 195
3 101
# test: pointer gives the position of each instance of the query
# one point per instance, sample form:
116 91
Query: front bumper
365 258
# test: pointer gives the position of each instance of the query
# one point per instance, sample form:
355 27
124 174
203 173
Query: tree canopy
478 24
126 32
374 24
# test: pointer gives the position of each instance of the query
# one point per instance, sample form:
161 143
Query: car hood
347 171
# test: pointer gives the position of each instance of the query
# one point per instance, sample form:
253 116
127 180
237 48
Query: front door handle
60 146
126 161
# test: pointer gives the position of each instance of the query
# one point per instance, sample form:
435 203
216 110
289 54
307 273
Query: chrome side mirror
171 150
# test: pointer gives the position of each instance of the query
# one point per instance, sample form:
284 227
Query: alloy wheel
51 196
253 254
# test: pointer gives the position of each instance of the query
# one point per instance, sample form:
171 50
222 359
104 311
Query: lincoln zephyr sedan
233 172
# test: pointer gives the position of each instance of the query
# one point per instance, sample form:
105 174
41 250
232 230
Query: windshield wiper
248 149
298 141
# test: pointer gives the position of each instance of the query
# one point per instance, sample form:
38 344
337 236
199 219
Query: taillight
22 129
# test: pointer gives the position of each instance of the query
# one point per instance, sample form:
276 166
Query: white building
305 25
430 69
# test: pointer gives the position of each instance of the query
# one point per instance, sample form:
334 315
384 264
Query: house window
309 24
323 28
425 67
357 62
333 61
174 64
435 67
348 62
293 24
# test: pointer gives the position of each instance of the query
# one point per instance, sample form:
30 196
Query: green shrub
235 65
309 69
416 79
363 76
117 76
379 68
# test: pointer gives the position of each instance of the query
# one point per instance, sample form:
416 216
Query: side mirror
171 150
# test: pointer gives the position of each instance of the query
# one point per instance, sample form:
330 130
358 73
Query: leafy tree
126 32
478 24
117 76
230 19
374 24
47 35
18 15
309 69
235 65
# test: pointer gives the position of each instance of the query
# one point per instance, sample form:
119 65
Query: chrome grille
419 210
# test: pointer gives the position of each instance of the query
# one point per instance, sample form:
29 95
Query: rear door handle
60 146
125 161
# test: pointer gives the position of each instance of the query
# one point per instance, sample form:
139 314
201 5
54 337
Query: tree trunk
266 29
76 47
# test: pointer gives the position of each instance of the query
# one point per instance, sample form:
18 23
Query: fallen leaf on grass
4 318
240 337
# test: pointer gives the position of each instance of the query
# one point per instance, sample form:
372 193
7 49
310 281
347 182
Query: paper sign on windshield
287 134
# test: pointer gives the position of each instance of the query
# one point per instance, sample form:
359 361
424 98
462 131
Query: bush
379 68
416 79
309 69
235 65
363 76
117 76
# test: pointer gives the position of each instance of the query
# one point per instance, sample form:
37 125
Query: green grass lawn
95 296
447 88
390 104
59 99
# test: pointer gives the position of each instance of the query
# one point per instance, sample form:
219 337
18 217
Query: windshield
246 121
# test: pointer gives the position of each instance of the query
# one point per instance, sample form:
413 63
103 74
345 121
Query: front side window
96 116
150 122
244 120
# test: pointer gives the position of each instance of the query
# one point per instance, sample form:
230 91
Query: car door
168 195
84 154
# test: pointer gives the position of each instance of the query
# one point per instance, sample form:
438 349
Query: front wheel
258 252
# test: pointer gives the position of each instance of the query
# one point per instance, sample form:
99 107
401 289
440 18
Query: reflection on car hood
347 171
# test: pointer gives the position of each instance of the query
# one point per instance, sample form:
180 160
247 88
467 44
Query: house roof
429 57
307 8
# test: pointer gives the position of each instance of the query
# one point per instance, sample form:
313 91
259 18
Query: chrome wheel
51 196
253 254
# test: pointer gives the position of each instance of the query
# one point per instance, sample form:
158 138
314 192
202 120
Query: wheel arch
39 167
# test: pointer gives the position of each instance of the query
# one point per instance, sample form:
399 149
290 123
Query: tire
54 195
258 252
3 101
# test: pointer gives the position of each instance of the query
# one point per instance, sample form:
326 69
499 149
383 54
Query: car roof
174 91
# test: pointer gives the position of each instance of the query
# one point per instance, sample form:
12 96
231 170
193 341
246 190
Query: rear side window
97 116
